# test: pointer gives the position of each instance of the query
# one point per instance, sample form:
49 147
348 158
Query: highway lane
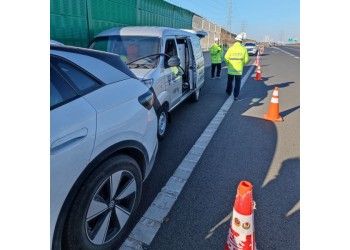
291 50
244 147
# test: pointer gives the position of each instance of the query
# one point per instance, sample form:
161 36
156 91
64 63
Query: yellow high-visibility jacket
216 53
236 57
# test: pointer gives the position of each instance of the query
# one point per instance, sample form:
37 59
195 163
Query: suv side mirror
174 61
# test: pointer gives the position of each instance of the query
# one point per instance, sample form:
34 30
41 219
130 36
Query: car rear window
109 58
60 91
80 81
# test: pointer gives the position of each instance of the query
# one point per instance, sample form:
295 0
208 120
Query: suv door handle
68 140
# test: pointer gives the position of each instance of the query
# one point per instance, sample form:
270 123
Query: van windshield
130 48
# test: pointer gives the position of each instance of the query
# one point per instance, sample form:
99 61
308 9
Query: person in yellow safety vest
236 57
124 59
216 54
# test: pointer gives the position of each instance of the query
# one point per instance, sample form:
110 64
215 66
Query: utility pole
243 26
229 16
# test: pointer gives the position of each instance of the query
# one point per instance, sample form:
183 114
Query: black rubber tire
163 119
76 232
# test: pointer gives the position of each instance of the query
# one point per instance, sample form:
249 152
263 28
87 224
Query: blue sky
277 19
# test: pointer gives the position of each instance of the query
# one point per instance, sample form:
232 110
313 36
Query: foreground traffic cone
273 112
241 235
258 74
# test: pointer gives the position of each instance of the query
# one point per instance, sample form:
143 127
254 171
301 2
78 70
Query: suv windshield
130 48
249 44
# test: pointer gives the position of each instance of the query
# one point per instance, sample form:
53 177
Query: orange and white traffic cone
257 59
241 235
258 74
273 112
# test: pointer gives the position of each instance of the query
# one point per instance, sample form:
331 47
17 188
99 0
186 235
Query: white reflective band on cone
243 219
274 99
275 93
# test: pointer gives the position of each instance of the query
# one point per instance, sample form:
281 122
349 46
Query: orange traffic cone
241 234
258 74
256 63
273 112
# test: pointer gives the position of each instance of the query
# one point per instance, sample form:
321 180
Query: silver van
169 61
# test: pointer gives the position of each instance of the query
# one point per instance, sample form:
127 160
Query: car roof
101 64
149 31
55 42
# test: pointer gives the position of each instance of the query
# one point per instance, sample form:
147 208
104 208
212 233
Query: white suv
252 48
103 143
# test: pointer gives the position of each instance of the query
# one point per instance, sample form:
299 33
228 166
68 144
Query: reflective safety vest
236 57
123 58
216 53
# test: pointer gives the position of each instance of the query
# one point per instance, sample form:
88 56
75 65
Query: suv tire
104 206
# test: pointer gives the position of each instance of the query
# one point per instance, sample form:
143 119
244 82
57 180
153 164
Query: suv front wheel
104 206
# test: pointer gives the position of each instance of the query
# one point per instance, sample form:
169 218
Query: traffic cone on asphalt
273 112
256 63
241 234
258 73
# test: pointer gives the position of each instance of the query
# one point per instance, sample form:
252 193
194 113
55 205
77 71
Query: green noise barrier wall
76 22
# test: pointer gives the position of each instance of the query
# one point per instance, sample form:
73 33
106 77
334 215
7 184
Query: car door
72 136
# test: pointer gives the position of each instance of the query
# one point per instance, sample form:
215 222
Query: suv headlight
148 82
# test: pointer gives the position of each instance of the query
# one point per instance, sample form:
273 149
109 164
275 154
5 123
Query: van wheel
162 122
104 206
195 96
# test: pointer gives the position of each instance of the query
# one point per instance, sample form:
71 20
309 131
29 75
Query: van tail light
146 99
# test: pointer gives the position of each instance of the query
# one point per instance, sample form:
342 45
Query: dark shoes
229 93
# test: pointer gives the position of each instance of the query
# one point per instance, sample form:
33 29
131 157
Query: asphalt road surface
233 143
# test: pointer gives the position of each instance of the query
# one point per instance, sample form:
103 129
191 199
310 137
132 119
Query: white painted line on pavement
148 226
287 53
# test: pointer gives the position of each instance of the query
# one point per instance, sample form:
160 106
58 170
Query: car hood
142 73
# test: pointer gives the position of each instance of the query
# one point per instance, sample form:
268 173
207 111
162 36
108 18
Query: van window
196 47
170 50
130 48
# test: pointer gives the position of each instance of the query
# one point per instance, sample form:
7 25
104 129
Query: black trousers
237 85
213 66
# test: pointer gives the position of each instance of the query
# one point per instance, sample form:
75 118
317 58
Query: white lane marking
148 226
294 48
287 53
